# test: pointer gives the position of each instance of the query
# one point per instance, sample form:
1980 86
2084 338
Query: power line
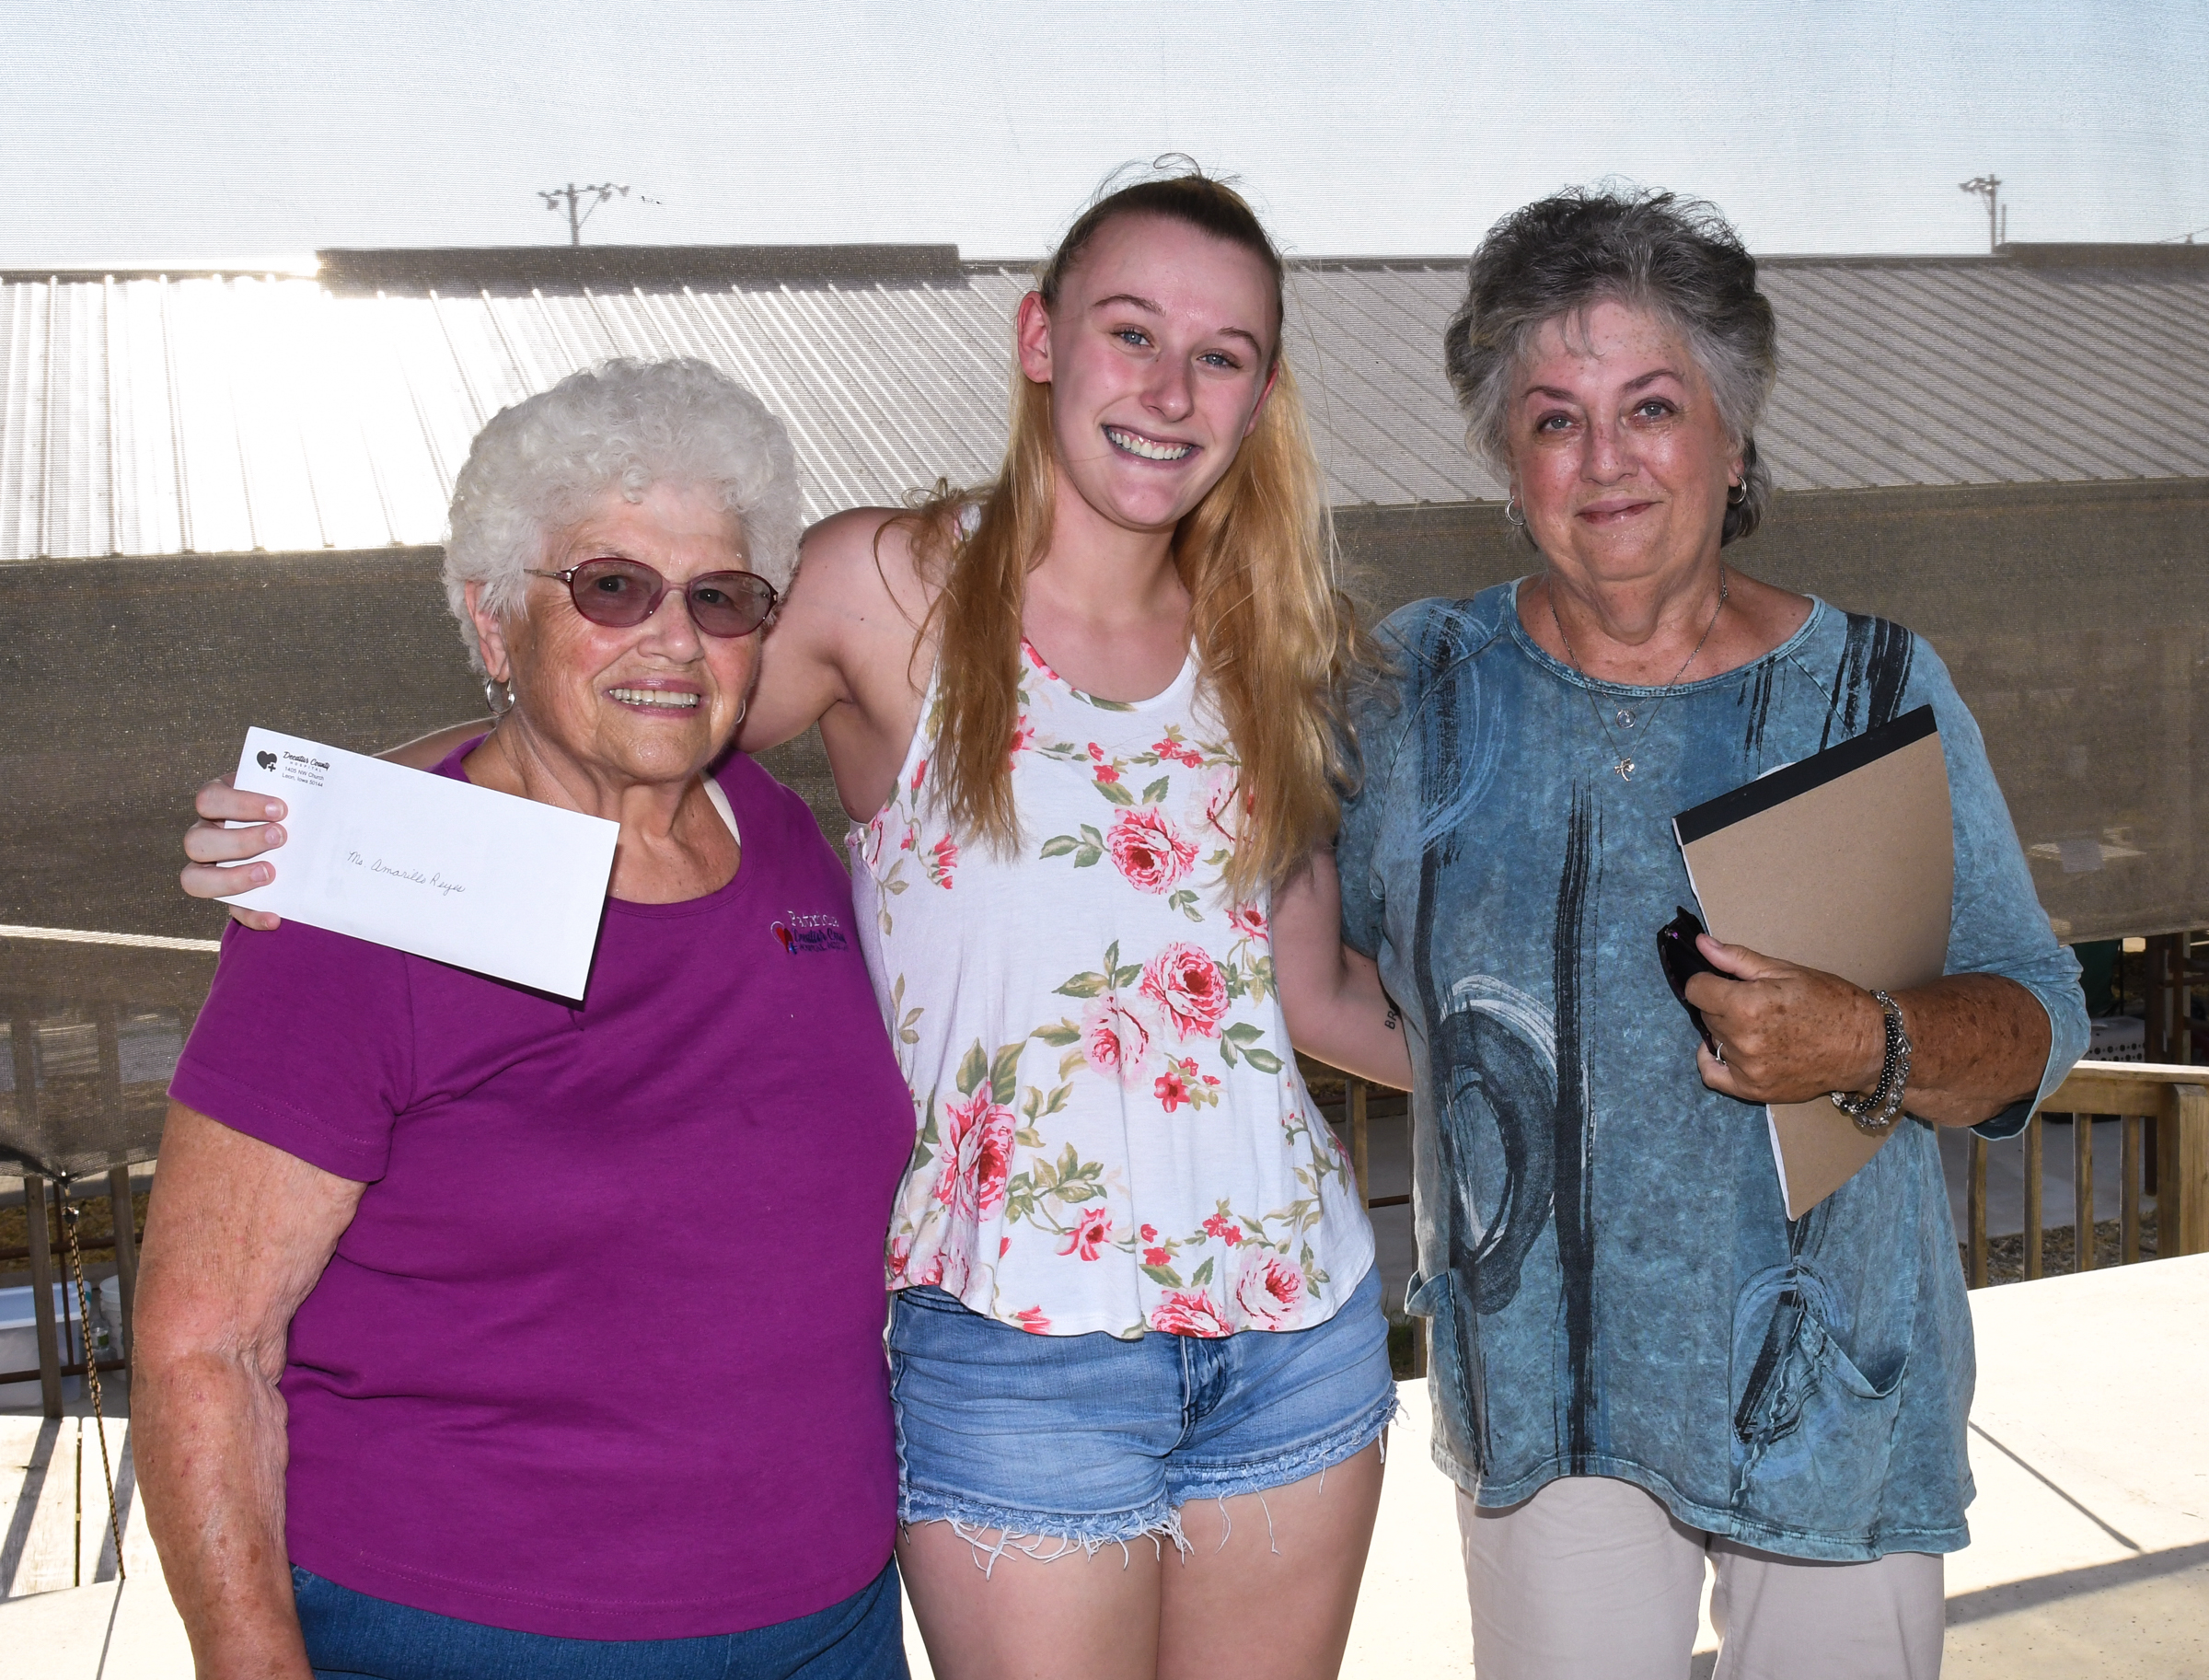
1989 186
571 196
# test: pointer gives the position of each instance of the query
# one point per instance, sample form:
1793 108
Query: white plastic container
2117 1038
19 1336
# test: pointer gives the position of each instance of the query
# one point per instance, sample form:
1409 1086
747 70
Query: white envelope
425 865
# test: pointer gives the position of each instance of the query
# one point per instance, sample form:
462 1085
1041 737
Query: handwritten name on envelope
429 865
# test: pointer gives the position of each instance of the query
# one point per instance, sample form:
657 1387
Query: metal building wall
222 414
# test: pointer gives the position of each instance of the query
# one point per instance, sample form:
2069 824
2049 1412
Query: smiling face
1159 354
655 703
1618 453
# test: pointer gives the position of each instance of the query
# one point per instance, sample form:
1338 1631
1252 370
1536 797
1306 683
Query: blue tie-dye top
1614 1284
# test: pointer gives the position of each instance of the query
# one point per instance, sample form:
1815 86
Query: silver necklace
1625 764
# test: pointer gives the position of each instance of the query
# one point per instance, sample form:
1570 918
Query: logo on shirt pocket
802 935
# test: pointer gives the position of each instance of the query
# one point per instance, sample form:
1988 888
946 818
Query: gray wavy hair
1562 255
625 426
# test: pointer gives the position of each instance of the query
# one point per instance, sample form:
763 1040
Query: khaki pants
1592 1579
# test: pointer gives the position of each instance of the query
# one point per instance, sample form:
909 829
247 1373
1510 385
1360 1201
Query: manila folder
1845 861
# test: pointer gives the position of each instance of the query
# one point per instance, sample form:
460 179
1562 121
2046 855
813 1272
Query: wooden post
2129 1129
41 1294
1361 1141
2182 1172
2183 1005
2082 1192
1974 1270
109 1039
125 1213
2032 1197
2161 971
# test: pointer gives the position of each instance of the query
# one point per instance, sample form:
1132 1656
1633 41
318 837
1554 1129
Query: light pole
1989 186
572 196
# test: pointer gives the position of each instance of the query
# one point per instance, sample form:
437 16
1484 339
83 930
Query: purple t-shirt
601 1353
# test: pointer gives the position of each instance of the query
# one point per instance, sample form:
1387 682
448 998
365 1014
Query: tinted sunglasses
622 594
1682 960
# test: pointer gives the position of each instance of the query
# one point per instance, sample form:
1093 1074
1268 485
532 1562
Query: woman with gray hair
1640 1364
401 1410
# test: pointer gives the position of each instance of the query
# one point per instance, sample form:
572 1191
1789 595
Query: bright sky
216 130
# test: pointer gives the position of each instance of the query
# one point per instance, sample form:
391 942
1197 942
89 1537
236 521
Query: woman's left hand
1788 1034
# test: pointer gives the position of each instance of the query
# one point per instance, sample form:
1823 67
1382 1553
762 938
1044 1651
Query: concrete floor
2090 1552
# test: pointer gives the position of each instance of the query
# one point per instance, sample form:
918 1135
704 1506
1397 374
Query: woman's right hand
209 844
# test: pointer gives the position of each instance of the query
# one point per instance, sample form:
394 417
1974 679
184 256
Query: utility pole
1989 186
571 197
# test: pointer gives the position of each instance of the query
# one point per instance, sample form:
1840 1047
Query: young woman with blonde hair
1087 722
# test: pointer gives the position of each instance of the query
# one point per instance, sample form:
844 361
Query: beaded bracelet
1877 1112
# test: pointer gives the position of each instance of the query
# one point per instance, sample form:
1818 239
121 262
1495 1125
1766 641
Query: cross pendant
1625 768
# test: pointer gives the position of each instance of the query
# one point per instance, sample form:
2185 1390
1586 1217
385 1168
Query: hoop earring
1738 493
492 687
1513 514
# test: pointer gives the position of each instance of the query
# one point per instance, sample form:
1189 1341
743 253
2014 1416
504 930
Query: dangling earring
1511 513
492 688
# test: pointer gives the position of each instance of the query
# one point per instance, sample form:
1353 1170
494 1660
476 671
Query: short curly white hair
625 425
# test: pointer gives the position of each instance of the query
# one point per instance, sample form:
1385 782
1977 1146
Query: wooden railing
2174 1100
2171 1100
58 1339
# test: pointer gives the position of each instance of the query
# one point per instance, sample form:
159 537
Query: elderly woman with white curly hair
400 1412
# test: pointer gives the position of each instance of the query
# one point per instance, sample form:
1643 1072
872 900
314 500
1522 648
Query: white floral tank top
1113 1135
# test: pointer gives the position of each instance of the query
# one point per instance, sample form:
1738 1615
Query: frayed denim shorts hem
1054 1444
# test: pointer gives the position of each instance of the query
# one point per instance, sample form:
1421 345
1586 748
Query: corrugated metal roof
229 413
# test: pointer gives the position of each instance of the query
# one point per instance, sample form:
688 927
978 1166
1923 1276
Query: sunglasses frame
661 588
1682 960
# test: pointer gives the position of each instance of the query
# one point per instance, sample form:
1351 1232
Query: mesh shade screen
2075 620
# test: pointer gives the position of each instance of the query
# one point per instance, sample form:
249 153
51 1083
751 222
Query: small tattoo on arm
1392 1020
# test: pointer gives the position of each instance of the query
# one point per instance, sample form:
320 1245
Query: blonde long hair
1278 643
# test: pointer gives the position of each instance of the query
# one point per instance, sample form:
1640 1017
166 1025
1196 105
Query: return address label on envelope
433 866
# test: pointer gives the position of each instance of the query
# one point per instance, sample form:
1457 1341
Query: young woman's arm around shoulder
1332 995
845 652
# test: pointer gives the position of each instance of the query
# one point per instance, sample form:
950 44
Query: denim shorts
350 1636
1089 1440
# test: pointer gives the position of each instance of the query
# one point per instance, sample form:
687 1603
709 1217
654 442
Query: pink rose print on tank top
977 1155
1148 851
1091 1229
1189 1312
1115 1039
1184 981
1182 1084
1270 1290
1218 816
